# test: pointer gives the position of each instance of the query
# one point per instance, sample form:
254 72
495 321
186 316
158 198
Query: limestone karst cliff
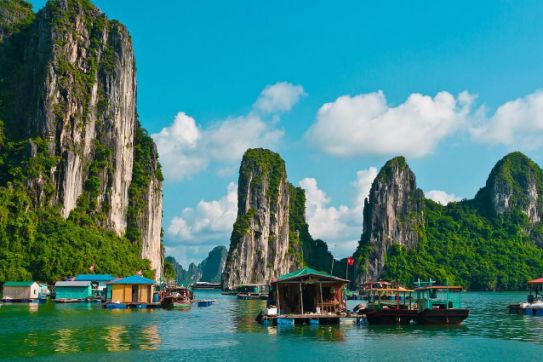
68 99
393 214
259 245
515 183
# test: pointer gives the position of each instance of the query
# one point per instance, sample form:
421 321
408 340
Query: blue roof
134 279
94 277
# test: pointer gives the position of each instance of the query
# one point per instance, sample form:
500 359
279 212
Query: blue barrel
155 298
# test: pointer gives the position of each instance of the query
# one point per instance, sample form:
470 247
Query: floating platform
310 319
7 301
131 305
518 309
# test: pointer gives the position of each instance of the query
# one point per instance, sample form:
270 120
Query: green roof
18 284
306 272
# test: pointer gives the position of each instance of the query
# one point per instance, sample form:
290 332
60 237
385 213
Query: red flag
350 261
91 268
139 272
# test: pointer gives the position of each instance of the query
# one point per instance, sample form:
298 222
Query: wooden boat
385 311
534 304
252 291
176 298
373 290
439 304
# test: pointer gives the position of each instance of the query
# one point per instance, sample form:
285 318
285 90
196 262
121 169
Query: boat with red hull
439 304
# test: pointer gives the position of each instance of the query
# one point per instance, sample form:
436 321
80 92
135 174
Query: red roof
536 281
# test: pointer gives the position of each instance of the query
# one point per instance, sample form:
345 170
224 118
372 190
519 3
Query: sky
337 88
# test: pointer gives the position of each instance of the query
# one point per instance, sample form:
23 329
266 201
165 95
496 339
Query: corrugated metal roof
134 279
308 271
94 277
18 284
70 283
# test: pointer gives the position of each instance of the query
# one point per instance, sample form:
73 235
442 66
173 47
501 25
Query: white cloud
366 124
208 222
441 197
339 226
187 148
517 123
279 97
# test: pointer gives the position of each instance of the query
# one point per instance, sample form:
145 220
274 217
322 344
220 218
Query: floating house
130 292
98 282
21 292
306 296
72 291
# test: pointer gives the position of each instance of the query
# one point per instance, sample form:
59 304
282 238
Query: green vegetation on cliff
35 241
467 243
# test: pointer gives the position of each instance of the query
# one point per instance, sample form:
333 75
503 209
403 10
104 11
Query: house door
135 294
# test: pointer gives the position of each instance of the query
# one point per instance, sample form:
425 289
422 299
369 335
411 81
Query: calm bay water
228 331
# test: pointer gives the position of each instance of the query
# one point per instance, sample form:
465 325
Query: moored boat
176 298
252 291
387 311
534 304
439 304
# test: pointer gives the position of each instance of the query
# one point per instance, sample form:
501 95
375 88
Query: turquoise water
227 331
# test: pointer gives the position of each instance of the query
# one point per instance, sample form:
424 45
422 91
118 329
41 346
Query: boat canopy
440 287
536 281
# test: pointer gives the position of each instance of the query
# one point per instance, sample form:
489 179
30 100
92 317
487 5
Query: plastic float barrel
285 322
155 298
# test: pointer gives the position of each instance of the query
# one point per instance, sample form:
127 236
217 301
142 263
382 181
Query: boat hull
390 316
442 316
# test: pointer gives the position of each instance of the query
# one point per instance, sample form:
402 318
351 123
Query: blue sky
211 60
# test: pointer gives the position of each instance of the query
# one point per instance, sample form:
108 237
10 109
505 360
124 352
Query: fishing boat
534 304
252 291
373 290
439 304
387 311
176 298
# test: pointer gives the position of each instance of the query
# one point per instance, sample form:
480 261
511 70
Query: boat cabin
431 296
536 290
252 288
308 291
20 291
131 290
73 290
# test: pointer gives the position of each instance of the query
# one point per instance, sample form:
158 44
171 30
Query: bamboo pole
322 301
301 299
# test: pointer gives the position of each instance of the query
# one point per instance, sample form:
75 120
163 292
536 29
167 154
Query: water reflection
115 339
150 338
65 341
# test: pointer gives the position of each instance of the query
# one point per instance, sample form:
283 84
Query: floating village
305 296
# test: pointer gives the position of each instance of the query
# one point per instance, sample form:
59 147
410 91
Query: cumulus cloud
187 148
208 222
517 123
340 226
441 197
279 97
367 125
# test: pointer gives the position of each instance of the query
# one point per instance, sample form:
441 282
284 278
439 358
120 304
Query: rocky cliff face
213 265
259 245
393 214
515 183
73 88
